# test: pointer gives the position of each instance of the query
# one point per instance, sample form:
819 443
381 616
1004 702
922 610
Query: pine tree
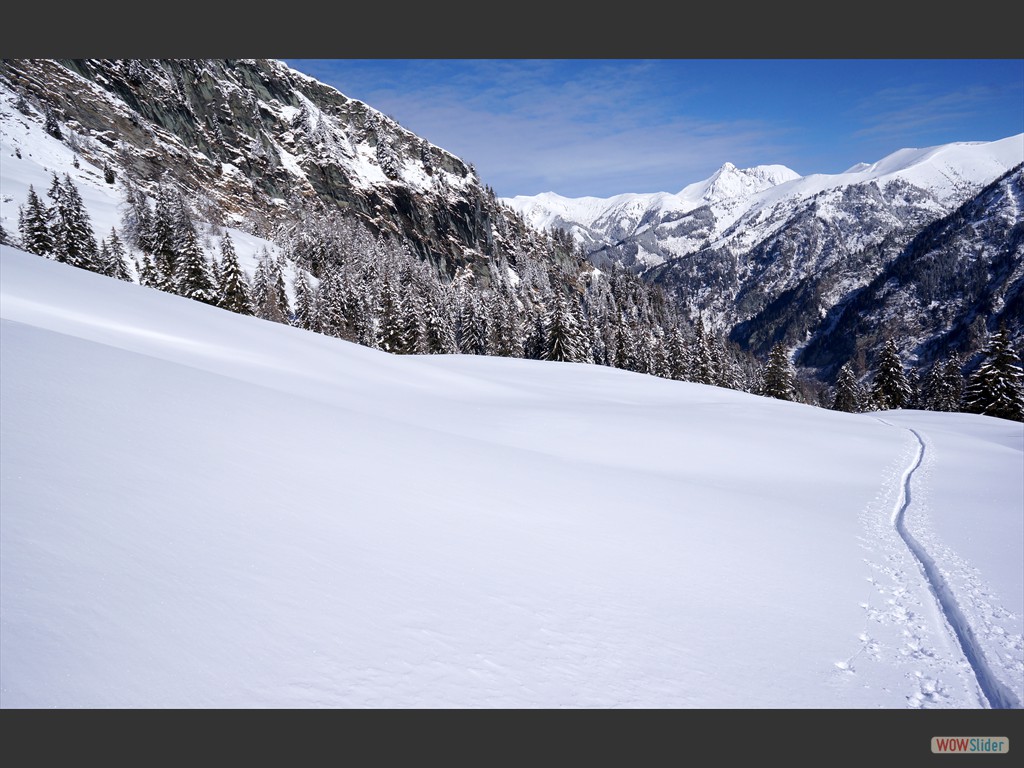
847 397
147 272
116 263
727 372
71 228
915 399
471 331
414 320
103 257
52 125
676 346
439 324
137 220
193 279
277 276
890 388
701 364
215 274
305 301
778 377
391 335
505 336
562 336
533 346
266 288
233 290
996 388
944 385
33 227
332 317
162 241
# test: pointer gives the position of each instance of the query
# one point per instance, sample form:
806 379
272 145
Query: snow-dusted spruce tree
391 336
778 377
193 278
233 291
728 372
675 347
116 265
33 227
890 388
847 397
413 311
147 272
471 331
73 239
52 124
332 316
564 341
943 386
161 240
137 220
305 301
269 299
440 323
996 388
661 365
505 333
702 368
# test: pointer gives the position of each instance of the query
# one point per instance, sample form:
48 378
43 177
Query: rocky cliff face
258 139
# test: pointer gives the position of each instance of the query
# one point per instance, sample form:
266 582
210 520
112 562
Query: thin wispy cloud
603 127
901 112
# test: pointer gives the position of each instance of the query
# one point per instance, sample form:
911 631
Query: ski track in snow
996 695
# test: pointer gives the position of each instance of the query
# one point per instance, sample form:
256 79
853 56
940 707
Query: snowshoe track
997 695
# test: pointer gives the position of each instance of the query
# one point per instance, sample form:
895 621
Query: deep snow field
200 509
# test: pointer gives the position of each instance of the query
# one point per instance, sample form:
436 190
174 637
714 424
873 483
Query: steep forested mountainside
958 279
259 139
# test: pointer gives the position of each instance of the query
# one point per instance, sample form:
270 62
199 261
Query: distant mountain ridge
740 199
766 255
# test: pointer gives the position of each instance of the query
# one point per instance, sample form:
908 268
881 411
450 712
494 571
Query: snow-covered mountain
738 208
597 223
768 255
258 140
956 279
202 509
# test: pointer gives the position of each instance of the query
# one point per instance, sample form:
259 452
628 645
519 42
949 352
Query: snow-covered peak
948 171
730 182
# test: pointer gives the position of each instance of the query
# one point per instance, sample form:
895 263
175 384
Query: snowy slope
29 157
201 509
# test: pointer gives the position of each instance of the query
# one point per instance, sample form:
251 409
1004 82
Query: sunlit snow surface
201 509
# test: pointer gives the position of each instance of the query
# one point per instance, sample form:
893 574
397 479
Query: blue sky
606 126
